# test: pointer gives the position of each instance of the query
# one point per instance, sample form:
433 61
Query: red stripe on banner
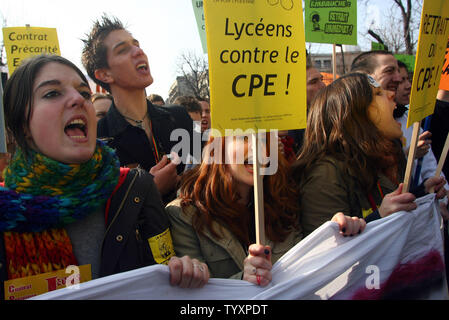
409 280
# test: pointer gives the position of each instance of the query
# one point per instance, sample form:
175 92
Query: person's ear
27 134
29 138
103 75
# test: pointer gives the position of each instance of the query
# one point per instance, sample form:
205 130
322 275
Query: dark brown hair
190 103
366 61
94 55
338 125
155 98
98 96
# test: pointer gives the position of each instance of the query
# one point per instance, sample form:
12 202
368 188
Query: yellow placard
433 34
23 42
257 64
24 288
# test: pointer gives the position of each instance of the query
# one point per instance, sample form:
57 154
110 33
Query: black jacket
132 144
137 229
439 127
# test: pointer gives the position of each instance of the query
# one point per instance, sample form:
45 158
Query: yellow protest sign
433 34
27 287
257 64
23 42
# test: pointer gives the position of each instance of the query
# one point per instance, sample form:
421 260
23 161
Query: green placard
331 21
199 16
377 46
409 61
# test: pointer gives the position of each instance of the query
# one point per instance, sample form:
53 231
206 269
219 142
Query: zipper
118 210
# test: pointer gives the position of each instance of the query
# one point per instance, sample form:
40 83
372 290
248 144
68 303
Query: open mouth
142 67
392 87
248 165
76 129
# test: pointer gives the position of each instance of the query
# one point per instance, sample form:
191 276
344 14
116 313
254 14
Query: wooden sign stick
258 193
442 160
411 158
3 148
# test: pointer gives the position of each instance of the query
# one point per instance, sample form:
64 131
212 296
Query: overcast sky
165 28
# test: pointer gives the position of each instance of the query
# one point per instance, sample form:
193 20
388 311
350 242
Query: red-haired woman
213 218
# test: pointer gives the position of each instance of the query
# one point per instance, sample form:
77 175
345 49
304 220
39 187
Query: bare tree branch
378 38
194 70
405 13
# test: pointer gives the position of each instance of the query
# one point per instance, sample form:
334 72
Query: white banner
400 256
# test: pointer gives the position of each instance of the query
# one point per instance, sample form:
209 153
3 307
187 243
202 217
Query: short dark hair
155 97
98 96
402 65
203 99
190 103
18 94
94 55
365 61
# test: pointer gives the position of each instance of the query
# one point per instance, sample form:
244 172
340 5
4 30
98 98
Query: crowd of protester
98 184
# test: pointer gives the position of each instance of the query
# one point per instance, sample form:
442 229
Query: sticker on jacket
366 212
162 247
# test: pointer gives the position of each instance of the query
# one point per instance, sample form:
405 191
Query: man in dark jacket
139 131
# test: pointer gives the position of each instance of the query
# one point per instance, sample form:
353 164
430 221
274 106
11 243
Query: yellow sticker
27 287
366 212
162 247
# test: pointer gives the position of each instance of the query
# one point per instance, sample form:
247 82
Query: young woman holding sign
65 198
213 218
352 159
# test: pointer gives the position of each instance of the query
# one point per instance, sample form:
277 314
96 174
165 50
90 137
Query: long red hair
211 188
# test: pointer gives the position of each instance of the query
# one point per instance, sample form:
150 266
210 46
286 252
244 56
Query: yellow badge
162 247
366 212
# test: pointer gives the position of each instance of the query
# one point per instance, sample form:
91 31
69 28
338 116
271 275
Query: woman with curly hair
352 159
212 219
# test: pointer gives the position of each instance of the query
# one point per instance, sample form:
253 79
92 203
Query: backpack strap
121 179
